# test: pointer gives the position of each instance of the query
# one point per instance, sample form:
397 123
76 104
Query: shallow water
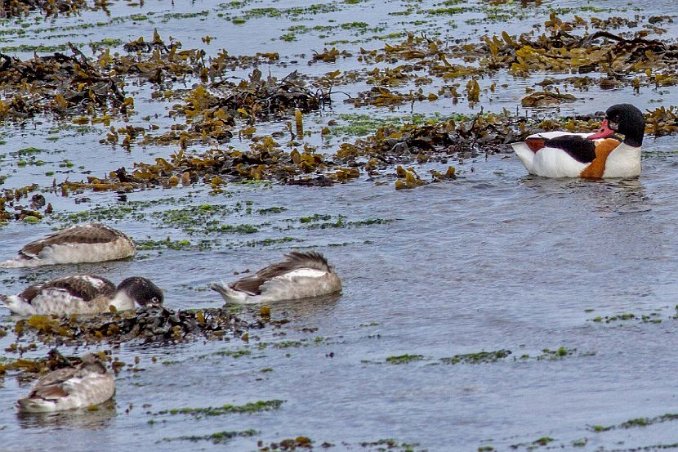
495 260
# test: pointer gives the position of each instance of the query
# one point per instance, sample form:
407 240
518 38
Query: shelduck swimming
83 294
597 155
300 275
94 242
80 386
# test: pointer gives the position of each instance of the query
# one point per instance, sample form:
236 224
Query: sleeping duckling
301 275
93 242
79 386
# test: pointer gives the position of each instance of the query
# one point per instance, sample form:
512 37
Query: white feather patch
302 273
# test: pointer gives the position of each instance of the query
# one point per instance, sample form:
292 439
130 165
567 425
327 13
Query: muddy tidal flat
482 309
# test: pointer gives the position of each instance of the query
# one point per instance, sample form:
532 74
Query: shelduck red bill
604 131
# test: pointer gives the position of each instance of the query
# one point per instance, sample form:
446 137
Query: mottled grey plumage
79 386
85 287
300 275
83 294
94 242
91 233
295 259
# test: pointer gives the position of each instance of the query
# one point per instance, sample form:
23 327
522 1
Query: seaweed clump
33 368
13 8
148 325
60 84
389 146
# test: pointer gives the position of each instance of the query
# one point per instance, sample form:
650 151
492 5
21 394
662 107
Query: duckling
301 275
94 242
78 386
83 294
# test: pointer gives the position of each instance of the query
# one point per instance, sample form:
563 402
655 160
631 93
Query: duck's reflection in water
98 417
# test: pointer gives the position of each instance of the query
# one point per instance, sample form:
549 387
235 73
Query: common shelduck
597 155
94 242
300 275
80 386
83 294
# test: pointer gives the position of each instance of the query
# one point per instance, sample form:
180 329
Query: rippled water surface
495 260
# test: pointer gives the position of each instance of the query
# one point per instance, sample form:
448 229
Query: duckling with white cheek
80 386
301 275
83 294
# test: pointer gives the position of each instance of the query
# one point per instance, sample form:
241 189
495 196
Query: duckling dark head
142 290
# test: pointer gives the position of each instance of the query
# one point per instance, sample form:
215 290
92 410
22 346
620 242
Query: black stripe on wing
577 147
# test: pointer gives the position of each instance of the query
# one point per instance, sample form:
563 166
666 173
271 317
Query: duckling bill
300 275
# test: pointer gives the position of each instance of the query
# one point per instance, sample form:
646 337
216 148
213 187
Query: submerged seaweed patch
653 317
389 444
215 438
543 441
248 408
404 359
637 422
477 358
33 368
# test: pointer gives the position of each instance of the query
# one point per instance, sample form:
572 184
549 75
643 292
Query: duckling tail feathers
227 293
15 263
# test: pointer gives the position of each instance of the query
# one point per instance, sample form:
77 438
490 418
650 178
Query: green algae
403 359
637 422
271 210
389 444
169 244
653 317
203 219
539 442
271 242
248 408
477 358
215 438
326 221
233 353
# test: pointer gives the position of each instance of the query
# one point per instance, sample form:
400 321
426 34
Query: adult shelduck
597 155
92 242
83 294
300 275
79 386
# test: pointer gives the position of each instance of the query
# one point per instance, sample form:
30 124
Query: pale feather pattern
301 275
81 386
83 294
93 242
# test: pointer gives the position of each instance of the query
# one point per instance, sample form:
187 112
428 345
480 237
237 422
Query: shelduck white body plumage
83 294
594 155
301 275
94 242
79 386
